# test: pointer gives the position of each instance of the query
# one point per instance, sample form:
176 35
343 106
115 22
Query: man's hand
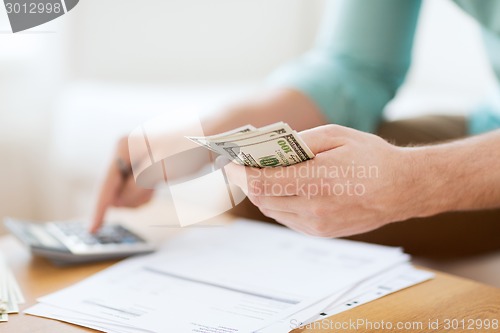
119 188
357 182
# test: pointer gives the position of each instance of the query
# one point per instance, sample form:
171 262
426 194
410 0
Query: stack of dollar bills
269 146
10 293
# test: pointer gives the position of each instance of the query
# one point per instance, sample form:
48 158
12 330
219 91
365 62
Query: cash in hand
269 146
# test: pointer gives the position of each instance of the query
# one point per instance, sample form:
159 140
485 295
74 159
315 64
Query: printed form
244 277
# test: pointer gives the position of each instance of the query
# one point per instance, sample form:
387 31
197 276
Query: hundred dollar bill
268 146
216 142
206 140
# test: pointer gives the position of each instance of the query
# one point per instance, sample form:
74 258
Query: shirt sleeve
360 58
485 117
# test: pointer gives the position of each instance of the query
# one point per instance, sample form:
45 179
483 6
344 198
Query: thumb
323 138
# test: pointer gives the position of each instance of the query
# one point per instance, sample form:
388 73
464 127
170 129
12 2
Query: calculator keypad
108 234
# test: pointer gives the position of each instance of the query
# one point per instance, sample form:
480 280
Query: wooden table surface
443 298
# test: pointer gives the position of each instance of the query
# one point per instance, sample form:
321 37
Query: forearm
462 175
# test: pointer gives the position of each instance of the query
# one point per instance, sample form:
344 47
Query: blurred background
70 88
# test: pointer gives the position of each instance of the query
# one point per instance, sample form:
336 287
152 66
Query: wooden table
445 297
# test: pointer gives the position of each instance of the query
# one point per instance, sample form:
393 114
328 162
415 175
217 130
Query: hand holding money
269 146
357 182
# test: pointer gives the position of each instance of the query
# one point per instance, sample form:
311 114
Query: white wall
189 40
30 72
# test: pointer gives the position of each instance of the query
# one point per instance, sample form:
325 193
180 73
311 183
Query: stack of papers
10 293
245 277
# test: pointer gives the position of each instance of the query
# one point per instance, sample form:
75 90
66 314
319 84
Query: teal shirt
363 52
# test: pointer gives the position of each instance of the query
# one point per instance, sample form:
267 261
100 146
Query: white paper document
245 277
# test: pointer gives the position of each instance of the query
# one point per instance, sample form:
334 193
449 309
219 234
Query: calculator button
77 236
129 240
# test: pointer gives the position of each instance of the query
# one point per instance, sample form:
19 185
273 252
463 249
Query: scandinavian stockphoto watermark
26 14
312 179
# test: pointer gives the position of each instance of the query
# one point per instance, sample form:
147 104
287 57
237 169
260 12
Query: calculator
70 242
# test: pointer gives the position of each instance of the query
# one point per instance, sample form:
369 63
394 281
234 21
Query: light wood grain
444 297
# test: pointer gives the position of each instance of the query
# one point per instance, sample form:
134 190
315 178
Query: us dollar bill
206 141
269 146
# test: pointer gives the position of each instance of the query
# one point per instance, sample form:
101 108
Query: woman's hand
357 182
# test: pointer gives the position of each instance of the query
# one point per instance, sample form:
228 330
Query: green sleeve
359 60
486 116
